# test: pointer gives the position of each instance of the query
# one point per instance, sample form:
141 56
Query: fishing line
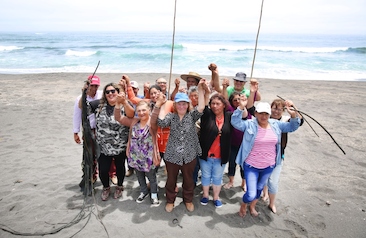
301 112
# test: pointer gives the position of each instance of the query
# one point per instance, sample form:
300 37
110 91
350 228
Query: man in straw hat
192 79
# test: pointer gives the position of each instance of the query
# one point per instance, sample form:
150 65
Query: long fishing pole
301 112
172 52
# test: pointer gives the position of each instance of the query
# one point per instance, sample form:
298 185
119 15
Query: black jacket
209 131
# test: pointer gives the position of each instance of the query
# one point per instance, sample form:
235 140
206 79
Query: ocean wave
210 48
10 48
360 50
80 53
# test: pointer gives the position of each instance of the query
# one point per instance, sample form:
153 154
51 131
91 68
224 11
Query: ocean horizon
290 56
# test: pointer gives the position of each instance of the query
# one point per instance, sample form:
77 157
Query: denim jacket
250 129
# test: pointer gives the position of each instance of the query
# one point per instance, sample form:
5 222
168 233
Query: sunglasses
238 81
161 82
110 91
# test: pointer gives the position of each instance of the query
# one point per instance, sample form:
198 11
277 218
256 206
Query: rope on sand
86 210
301 112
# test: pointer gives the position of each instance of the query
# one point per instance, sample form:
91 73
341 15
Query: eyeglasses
110 91
238 81
277 109
161 82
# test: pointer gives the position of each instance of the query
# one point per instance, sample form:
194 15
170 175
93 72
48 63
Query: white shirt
77 111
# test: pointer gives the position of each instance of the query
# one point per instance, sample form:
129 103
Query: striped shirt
263 153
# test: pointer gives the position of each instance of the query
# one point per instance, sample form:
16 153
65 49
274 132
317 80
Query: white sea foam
80 53
10 48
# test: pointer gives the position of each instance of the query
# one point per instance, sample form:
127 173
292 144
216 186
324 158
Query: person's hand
243 101
290 107
225 83
121 98
77 138
254 86
201 83
122 83
127 80
160 100
177 82
85 86
212 67
182 90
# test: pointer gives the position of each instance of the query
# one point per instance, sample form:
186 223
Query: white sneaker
141 198
155 202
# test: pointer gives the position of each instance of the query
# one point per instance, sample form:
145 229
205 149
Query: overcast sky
283 16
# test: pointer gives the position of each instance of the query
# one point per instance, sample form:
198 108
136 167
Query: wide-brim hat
191 75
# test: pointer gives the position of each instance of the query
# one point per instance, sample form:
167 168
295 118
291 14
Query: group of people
202 127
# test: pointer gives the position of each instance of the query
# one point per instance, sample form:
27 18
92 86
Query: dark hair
103 100
220 97
232 97
157 87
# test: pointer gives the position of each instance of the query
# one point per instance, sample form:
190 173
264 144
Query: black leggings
104 163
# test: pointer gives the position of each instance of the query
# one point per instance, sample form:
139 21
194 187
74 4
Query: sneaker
141 198
118 192
218 203
204 201
105 193
155 202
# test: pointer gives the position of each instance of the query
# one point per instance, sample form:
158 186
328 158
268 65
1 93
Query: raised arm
253 91
225 84
203 90
176 89
130 93
122 101
258 95
215 81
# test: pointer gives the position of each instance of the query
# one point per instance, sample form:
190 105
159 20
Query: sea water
291 56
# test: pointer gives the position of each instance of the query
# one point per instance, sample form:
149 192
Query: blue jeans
272 182
255 179
212 171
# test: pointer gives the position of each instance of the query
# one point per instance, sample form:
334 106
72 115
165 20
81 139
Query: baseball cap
94 80
240 77
181 97
263 107
134 84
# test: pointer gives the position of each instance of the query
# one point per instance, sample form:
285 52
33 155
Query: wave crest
80 53
10 48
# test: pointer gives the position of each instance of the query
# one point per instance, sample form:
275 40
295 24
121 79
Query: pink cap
95 80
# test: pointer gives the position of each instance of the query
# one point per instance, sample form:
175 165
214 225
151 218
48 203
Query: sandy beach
322 191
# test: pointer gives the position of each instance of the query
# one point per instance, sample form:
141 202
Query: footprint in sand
294 226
